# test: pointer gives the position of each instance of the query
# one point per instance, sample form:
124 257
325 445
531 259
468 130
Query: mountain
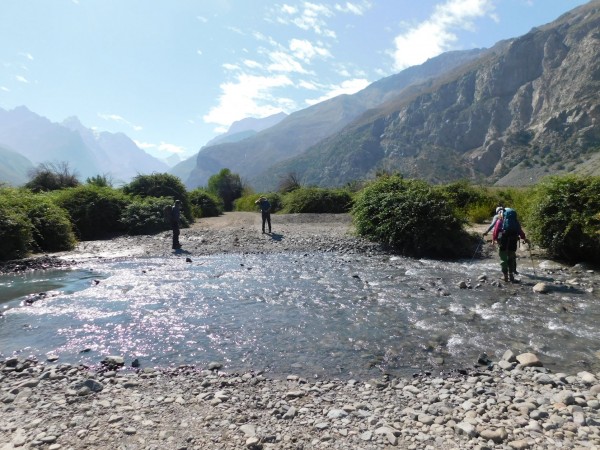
238 131
302 129
87 152
524 109
40 140
242 129
14 168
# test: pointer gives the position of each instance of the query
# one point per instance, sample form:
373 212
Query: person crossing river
507 232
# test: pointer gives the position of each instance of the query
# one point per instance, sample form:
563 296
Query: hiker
507 233
265 209
175 217
499 210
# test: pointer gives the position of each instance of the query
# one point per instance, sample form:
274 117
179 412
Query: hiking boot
511 277
506 278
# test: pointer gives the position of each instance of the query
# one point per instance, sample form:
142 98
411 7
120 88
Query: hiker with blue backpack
507 233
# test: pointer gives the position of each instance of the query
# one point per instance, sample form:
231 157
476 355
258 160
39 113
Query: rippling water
323 314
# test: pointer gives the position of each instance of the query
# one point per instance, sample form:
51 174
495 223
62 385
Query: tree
289 182
160 185
227 185
51 177
100 180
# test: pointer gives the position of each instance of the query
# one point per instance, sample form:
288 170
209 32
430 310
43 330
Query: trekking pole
477 249
531 257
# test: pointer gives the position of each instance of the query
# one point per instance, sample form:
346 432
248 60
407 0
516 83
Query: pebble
515 407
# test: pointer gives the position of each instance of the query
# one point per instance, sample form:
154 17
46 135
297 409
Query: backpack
168 213
510 224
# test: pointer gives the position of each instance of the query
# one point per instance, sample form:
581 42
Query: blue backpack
510 224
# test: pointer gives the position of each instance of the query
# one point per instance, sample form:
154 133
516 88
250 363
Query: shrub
565 217
31 222
146 216
247 202
317 200
412 218
95 211
161 185
52 228
51 177
15 234
205 204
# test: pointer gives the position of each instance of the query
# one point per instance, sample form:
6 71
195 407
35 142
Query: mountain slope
14 168
524 109
304 128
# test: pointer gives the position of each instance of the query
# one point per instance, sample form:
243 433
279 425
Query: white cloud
248 96
231 67
199 52
435 35
119 119
353 8
282 62
310 17
22 79
251 64
4 88
306 51
347 87
171 148
202 19
27 56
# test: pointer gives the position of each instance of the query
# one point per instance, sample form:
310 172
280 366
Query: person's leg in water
504 263
512 264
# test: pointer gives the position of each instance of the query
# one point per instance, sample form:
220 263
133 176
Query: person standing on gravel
265 209
175 218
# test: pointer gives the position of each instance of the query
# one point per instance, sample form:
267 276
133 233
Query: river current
321 314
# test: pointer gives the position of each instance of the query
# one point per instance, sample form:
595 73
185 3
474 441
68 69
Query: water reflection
324 314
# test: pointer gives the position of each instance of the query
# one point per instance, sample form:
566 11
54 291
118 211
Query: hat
498 209
177 201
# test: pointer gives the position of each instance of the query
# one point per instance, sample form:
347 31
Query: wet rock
529 360
541 288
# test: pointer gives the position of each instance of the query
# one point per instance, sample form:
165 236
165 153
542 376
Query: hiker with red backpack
507 233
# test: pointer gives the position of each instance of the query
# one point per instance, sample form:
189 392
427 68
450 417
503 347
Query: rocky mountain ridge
526 108
302 129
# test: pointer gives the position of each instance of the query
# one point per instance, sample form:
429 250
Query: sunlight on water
322 314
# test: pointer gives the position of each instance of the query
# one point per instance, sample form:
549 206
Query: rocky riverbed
513 403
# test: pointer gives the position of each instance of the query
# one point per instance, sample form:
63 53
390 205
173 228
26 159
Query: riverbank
511 403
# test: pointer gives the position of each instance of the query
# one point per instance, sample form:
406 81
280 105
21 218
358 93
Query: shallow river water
328 315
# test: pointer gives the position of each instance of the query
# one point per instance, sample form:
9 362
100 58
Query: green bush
32 222
247 202
15 234
161 185
205 204
146 216
317 200
52 228
565 217
412 218
95 211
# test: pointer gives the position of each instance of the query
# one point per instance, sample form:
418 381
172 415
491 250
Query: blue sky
172 74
